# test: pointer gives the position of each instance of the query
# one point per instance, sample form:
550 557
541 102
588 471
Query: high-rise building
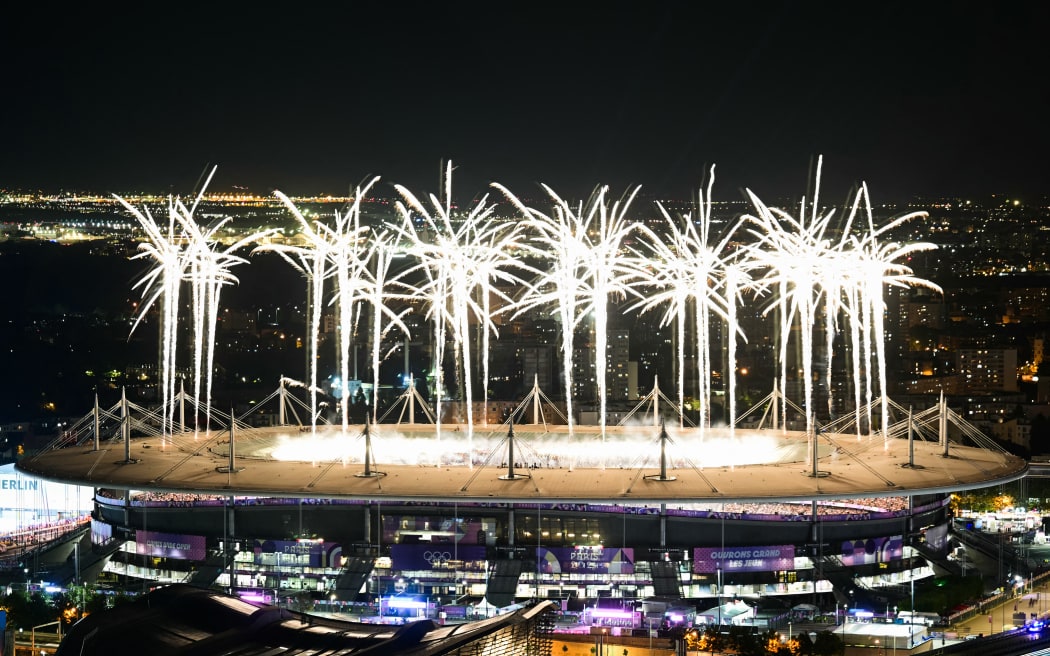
617 373
988 369
537 365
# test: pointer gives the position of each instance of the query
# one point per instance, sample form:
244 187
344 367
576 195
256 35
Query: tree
25 611
828 644
95 604
746 642
711 640
805 645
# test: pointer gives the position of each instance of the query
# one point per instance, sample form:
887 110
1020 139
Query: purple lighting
612 614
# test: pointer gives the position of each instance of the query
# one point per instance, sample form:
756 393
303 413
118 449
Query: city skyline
936 100
76 287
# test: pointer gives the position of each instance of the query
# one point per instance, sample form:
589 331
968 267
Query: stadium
399 525
652 524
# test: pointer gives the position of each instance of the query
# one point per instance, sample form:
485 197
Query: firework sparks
472 263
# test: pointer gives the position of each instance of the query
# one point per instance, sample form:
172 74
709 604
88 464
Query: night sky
916 98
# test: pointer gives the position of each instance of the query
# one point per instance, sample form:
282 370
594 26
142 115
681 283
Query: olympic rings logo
437 558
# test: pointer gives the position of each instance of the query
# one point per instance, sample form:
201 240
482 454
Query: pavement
999 618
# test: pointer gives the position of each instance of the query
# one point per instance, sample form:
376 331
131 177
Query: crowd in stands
824 508
844 509
15 543
175 499
884 504
171 499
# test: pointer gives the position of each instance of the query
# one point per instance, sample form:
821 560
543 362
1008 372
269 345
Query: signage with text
770 558
298 553
170 545
585 560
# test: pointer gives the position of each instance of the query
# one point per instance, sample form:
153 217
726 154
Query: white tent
483 607
734 612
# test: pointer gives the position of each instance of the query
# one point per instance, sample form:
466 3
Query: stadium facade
461 539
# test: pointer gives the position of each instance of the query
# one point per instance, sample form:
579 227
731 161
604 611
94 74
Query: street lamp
277 578
426 600
845 616
379 597
599 639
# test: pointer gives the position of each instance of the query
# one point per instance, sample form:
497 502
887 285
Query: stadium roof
848 466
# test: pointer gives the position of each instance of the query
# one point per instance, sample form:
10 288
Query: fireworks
583 248
686 272
461 258
569 263
184 252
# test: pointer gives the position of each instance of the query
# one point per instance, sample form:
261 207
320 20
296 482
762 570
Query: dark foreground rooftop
183 620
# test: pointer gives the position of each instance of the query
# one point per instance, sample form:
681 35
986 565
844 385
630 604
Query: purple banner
437 556
770 558
455 612
170 545
585 560
872 550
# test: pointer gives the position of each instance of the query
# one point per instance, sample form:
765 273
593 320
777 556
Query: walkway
998 617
